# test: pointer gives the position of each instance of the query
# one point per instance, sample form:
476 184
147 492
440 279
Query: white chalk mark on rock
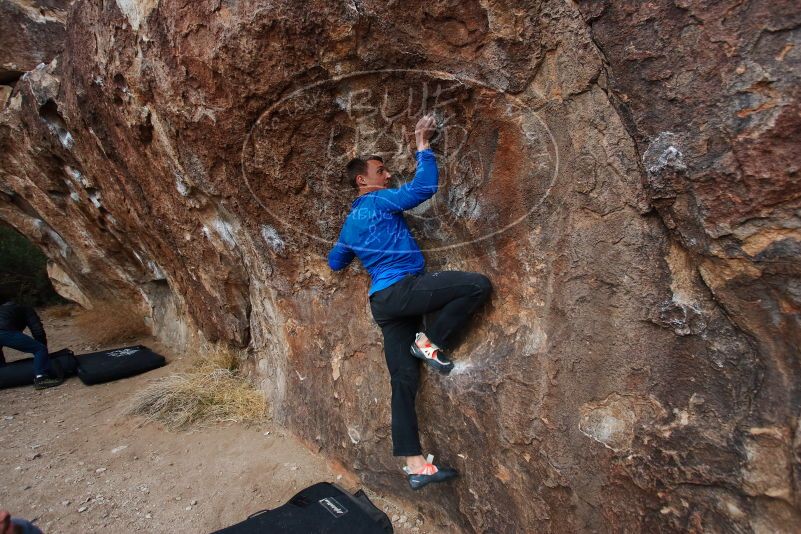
271 237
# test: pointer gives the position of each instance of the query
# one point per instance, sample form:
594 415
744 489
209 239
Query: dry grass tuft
62 311
110 322
212 391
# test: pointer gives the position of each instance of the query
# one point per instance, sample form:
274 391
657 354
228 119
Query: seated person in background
14 318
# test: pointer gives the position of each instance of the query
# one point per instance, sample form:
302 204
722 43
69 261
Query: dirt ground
72 462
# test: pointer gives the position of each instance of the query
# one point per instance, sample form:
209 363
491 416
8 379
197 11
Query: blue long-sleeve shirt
376 232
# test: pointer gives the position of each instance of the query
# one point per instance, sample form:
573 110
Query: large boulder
634 368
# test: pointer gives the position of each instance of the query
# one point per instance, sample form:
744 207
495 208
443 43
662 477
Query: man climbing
13 320
402 291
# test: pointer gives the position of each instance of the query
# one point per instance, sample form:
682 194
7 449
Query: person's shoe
428 473
432 355
47 381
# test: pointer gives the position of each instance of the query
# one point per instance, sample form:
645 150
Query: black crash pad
113 364
20 372
323 508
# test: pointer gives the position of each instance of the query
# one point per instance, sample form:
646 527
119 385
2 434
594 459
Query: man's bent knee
484 284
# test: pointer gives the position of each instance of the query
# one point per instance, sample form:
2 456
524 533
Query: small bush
212 391
23 271
109 322
63 311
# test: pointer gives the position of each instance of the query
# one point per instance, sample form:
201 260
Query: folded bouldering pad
113 364
321 508
20 372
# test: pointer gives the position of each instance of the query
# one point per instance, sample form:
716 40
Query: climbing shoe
428 473
432 355
47 381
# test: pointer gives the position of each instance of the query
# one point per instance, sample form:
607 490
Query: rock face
626 174
33 32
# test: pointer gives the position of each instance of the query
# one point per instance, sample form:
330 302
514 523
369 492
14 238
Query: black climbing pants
398 310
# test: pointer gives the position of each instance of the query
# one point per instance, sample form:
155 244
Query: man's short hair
358 166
